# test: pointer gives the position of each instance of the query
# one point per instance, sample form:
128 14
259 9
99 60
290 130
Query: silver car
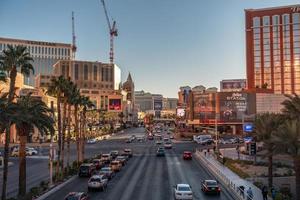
98 182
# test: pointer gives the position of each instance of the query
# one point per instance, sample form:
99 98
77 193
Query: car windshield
105 156
211 183
105 169
72 197
95 180
184 188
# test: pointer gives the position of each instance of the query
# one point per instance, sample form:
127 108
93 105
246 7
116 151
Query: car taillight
219 189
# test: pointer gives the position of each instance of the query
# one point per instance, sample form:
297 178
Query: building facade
45 55
233 85
99 81
129 110
273 49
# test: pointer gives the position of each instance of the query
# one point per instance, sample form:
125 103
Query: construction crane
74 47
113 32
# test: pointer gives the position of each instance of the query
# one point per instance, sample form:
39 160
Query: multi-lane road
144 177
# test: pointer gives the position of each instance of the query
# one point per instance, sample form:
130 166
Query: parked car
187 155
29 151
160 152
168 145
91 141
76 196
86 169
210 187
97 182
114 154
158 142
183 191
115 165
98 163
106 158
122 159
107 171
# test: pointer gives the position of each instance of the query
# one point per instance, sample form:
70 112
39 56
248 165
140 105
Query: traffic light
252 148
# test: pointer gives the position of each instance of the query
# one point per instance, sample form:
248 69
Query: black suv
86 169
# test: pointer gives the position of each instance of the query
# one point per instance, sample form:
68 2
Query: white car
31 151
183 191
97 182
92 141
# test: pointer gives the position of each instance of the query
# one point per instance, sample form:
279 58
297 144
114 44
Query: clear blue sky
163 43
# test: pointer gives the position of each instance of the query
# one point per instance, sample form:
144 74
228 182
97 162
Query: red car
187 155
210 187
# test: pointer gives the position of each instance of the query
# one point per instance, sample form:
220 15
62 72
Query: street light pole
216 124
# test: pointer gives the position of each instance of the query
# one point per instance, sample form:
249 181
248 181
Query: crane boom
113 32
74 47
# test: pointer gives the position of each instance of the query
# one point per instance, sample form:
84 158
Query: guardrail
235 190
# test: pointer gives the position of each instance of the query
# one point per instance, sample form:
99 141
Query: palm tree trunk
22 165
59 135
83 133
80 137
270 171
69 136
63 136
297 172
12 75
76 131
5 168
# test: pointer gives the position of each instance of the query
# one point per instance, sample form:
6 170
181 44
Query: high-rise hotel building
45 55
273 48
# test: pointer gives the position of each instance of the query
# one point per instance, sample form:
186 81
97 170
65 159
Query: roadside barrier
236 190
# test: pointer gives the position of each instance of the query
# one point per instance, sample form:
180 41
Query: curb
56 188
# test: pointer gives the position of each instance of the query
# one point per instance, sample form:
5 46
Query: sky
165 44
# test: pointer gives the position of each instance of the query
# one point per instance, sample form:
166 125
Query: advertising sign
157 104
248 128
232 106
204 106
180 112
115 104
233 85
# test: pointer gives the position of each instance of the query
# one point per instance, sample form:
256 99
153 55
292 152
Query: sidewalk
229 178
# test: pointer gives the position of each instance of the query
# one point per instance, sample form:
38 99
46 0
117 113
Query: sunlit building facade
45 55
273 49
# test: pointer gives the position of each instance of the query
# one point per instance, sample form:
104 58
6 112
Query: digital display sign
115 104
248 127
180 112
157 104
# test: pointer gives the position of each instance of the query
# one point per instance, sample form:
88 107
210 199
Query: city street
146 176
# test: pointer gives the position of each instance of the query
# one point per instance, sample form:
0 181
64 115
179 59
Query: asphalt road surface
145 176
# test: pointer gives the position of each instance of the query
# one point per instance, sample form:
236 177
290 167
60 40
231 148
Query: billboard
233 85
233 105
115 104
180 112
204 106
158 104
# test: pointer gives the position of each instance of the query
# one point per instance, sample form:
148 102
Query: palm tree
29 112
72 97
85 103
288 141
266 125
291 107
12 59
56 89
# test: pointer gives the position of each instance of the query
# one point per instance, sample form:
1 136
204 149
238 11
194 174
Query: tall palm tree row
12 60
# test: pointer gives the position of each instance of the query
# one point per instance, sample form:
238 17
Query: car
98 163
158 142
115 165
187 155
168 145
127 152
166 139
129 140
91 141
183 191
114 154
210 187
160 152
141 139
107 171
76 196
150 137
122 159
171 137
31 151
86 169
97 182
106 158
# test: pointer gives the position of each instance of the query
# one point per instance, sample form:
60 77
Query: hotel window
102 74
35 50
85 72
95 72
63 70
52 51
256 22
59 51
46 52
76 71
55 51
266 21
